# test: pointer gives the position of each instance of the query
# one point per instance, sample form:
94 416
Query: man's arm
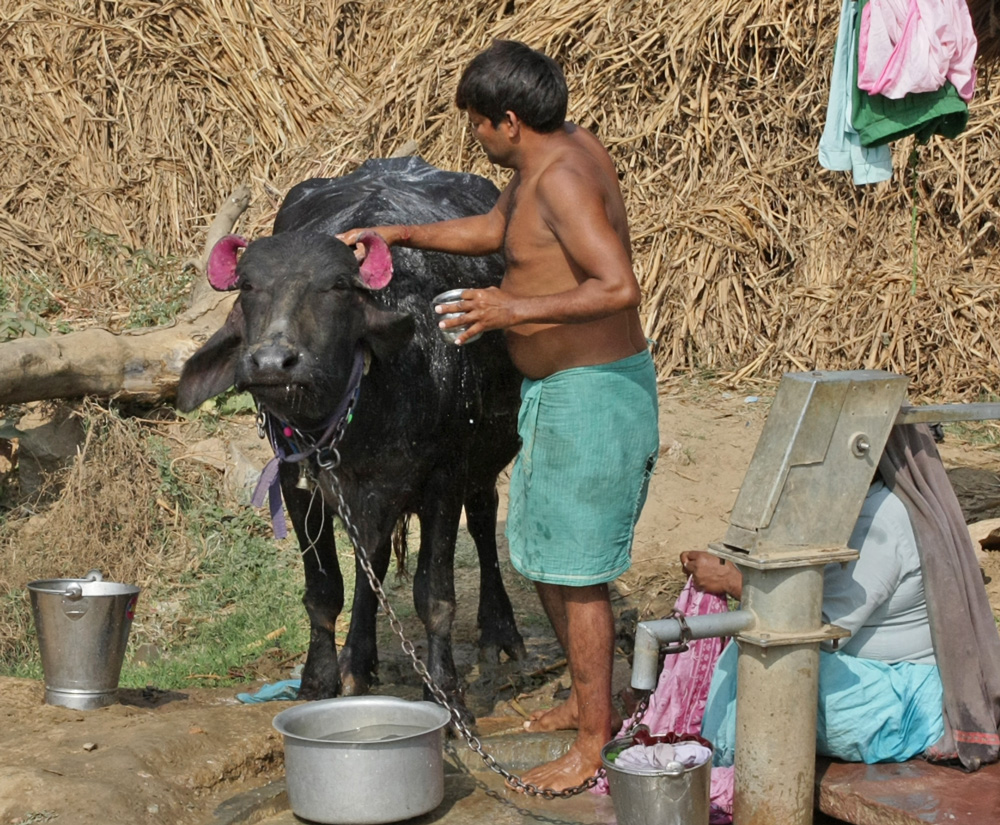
473 235
574 211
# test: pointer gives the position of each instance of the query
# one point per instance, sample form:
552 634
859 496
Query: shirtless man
568 304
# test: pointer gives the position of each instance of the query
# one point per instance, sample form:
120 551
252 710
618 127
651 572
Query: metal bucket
82 627
682 798
360 760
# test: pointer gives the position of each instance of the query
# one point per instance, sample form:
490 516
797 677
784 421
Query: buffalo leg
497 630
359 656
324 583
434 582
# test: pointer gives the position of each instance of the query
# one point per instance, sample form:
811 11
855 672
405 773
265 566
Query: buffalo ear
376 267
387 332
212 369
221 267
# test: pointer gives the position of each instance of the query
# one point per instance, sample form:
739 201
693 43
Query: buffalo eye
243 285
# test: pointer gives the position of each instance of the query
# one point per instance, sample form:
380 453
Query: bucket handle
74 590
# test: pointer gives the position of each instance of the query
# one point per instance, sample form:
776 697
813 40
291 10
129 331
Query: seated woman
880 693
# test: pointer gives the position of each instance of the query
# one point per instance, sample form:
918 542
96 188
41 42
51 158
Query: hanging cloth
909 46
881 120
840 148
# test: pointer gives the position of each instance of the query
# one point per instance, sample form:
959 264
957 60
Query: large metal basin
360 760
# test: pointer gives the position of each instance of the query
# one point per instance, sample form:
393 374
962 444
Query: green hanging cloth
879 120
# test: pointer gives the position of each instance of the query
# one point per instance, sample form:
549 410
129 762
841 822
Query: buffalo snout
274 357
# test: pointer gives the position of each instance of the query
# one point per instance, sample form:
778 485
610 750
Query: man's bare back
538 262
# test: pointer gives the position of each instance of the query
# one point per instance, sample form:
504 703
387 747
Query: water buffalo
430 425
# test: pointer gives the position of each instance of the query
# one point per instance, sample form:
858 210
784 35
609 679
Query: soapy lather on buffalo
431 427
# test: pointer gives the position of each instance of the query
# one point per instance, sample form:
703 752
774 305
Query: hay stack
136 118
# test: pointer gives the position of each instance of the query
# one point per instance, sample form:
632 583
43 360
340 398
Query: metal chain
684 642
640 711
470 738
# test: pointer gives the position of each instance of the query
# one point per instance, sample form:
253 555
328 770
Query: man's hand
390 234
483 310
712 574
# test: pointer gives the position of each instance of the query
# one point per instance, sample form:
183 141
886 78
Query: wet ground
199 757
913 793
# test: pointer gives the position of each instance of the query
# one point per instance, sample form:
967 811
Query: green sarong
589 442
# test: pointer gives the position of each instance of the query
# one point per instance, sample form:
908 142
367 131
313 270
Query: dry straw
137 118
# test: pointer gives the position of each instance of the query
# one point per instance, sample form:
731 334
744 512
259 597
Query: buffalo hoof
312 689
489 652
354 685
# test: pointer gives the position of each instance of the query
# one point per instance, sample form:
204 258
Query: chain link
640 711
470 738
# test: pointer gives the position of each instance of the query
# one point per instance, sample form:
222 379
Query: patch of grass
153 286
243 600
122 288
220 597
35 817
982 433
239 598
214 412
23 305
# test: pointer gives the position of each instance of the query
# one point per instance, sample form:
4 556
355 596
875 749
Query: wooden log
136 365
140 365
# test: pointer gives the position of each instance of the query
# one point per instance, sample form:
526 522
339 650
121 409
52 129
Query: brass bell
305 481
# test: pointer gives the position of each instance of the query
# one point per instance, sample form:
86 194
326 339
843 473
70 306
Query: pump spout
650 636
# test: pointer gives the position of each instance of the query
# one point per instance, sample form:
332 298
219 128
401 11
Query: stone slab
909 793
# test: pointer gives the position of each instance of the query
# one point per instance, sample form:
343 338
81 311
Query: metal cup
450 297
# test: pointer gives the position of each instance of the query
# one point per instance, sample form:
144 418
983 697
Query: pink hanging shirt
909 46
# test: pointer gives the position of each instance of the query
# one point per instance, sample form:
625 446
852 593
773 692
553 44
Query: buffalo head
305 306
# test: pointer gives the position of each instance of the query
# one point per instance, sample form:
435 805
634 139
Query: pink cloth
678 702
909 46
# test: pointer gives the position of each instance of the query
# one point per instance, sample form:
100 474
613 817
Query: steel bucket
82 627
658 798
360 760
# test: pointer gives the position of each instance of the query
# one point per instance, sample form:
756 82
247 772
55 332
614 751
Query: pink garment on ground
678 702
909 46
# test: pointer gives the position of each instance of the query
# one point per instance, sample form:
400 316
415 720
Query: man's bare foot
568 771
561 717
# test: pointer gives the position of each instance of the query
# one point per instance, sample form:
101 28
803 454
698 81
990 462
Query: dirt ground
158 757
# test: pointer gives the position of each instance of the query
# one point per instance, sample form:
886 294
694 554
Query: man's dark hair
510 76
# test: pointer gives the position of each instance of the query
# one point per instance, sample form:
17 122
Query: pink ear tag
376 270
221 267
